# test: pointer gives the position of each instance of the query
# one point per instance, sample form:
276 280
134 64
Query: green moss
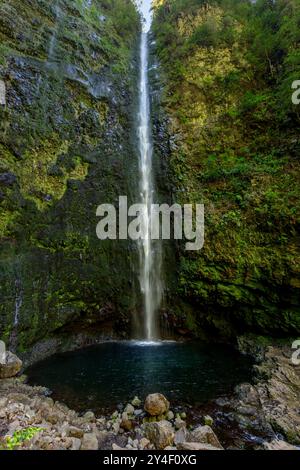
70 82
234 153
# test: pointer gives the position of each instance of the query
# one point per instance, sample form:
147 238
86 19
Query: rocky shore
268 410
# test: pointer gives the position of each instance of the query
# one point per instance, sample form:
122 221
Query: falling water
149 253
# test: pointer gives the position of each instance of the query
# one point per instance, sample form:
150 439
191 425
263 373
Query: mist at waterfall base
101 377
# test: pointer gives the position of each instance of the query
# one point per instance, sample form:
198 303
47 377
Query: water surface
101 377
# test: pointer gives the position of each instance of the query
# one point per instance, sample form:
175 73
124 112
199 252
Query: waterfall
149 252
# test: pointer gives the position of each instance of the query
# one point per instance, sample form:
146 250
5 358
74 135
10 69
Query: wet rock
11 367
156 404
271 405
204 435
196 446
89 442
161 434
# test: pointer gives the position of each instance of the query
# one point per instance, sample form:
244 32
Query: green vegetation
228 68
19 437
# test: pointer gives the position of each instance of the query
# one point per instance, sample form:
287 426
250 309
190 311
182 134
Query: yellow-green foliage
234 150
19 437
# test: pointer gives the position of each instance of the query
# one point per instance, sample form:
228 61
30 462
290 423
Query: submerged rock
156 404
11 367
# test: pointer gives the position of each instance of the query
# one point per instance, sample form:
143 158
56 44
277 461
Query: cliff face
228 69
68 77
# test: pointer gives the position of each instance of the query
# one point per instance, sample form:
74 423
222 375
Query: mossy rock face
66 146
232 144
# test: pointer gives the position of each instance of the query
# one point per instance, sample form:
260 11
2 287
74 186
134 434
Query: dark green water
101 377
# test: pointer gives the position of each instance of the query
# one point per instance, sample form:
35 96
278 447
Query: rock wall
68 80
226 70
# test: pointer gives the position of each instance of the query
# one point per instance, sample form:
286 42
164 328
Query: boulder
11 366
204 435
89 442
161 434
278 445
156 404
